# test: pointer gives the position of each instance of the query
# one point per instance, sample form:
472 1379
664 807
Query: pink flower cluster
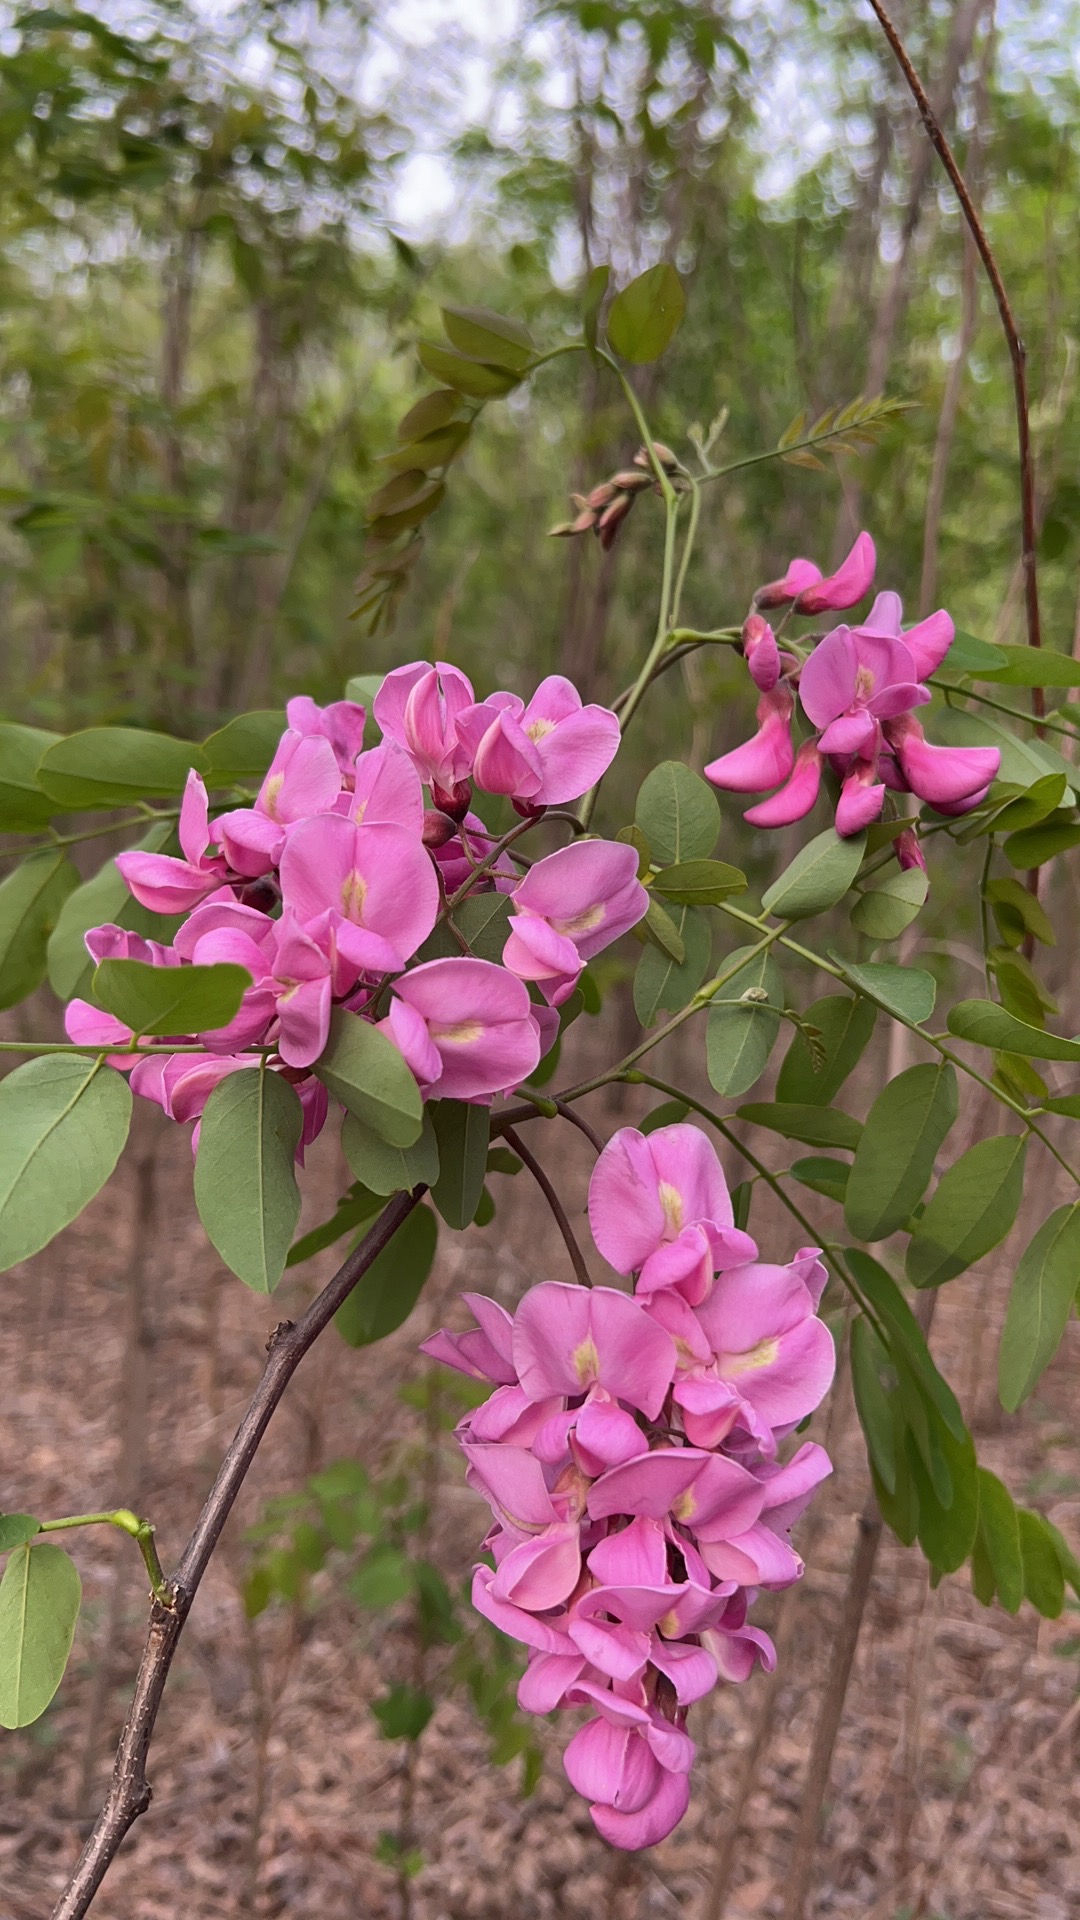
326 888
858 688
630 1457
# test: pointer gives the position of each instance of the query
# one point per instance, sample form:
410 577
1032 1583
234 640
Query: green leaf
31 900
646 315
102 900
1023 762
1044 798
244 748
363 1070
740 1033
115 766
429 415
1033 846
24 806
352 1210
660 928
971 1210
868 1358
16 1529
845 1025
999 1535
822 1175
591 302
462 1131
383 1578
895 1157
488 336
817 878
947 1528
976 657
1042 1295
907 992
699 883
678 814
40 1595
814 1126
664 985
245 1173
905 1338
1044 1581
988 1025
478 378
669 1114
63 1123
1034 667
890 904
482 920
392 1285
387 1169
1010 898
170 1000
403 1713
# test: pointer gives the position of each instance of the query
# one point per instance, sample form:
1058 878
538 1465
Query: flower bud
457 802
762 652
438 828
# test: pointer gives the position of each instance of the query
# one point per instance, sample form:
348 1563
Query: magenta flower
633 1767
796 797
927 643
569 1339
851 682
659 1205
543 754
803 585
166 885
386 790
342 723
569 907
303 779
761 652
376 883
418 706
768 757
486 1351
465 1028
946 777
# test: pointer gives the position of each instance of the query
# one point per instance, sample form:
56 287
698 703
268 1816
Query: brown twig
129 1794
577 1258
1017 350
582 1125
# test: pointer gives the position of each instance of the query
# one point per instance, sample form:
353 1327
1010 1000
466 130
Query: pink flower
342 723
543 754
927 643
632 1765
568 1339
465 1028
485 1352
768 757
89 1026
861 798
946 777
181 1083
773 1359
165 884
795 799
569 907
386 790
803 583
660 1203
418 706
376 883
761 652
853 680
304 778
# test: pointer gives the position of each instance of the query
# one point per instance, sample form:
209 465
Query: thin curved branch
1017 349
582 1125
577 1258
129 1792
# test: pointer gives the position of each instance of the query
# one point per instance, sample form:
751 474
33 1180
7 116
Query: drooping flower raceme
327 887
859 688
630 1456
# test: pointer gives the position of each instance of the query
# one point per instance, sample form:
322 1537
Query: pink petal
861 800
567 1339
604 1435
513 1483
691 1670
649 1486
514 1620
761 651
546 1680
542 1573
843 588
163 884
828 681
635 1557
194 825
646 1828
387 789
794 801
613 1765
800 574
252 840
626 1213
768 757
929 642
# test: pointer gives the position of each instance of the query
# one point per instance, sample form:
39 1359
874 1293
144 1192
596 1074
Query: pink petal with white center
678 1317
649 1486
567 1339
687 1166
408 1030
377 878
479 1020
303 778
752 1304
575 745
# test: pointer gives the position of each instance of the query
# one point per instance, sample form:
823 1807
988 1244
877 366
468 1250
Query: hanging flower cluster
326 888
858 688
630 1457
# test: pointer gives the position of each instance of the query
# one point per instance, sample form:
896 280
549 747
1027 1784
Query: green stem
54 840
72 1046
687 552
140 1531
999 706
984 912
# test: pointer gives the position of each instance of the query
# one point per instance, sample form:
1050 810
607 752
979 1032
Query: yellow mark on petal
586 1361
685 1352
864 683
581 922
270 794
672 1202
460 1035
539 729
762 1355
289 992
669 1627
359 810
685 1507
353 891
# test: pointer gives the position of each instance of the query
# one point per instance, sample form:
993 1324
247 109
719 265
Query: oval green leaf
1042 1295
999 1535
63 1123
363 1070
987 1025
489 337
646 315
1033 846
385 1169
907 992
822 1175
478 378
383 1300
40 1596
24 806
741 1033
890 904
16 1529
699 883
462 1131
244 749
114 766
245 1173
678 814
1044 1580
844 1025
817 878
971 1211
169 1000
814 1126
659 928
665 985
31 901
895 1157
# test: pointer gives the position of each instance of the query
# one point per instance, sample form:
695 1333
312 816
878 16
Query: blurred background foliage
223 230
